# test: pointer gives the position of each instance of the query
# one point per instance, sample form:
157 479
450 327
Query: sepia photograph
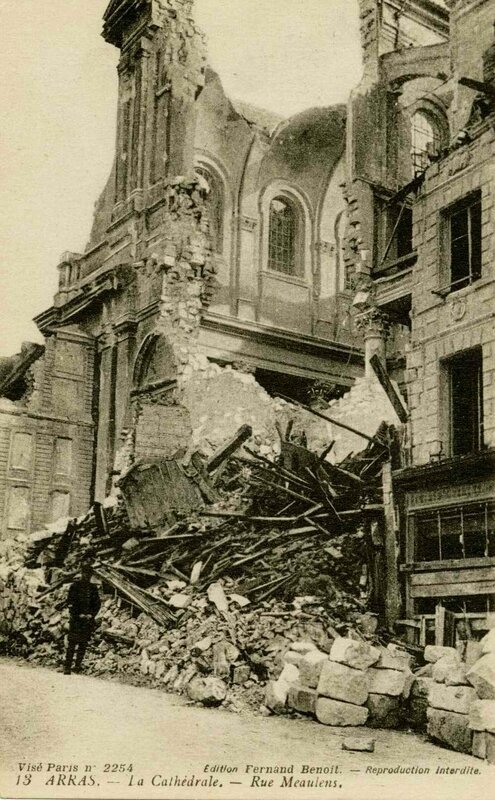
247 400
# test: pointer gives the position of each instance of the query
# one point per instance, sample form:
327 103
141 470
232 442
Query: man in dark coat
83 601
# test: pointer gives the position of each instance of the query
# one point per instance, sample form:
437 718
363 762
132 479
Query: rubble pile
245 558
356 683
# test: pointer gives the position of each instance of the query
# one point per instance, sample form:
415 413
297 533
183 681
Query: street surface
63 730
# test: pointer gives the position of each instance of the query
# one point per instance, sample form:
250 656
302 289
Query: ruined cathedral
235 254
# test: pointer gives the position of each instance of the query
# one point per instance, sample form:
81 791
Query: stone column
375 326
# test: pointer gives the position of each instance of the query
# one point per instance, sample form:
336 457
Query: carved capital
373 323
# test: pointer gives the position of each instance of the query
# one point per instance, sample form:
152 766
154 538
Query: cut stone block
384 711
490 747
302 698
425 672
310 668
421 686
434 653
333 712
473 652
359 745
289 674
458 676
482 715
449 728
357 654
386 681
452 698
303 647
276 694
479 745
291 657
416 713
394 659
482 677
209 691
343 683
444 667
488 643
240 673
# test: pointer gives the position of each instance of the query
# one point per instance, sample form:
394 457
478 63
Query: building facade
425 206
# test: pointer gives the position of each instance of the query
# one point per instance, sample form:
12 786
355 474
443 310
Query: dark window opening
465 375
469 604
425 141
283 235
455 533
465 243
394 235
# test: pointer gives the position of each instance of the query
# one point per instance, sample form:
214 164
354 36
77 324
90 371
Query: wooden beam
223 453
388 388
392 594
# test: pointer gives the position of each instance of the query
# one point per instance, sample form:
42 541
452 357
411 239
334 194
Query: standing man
83 601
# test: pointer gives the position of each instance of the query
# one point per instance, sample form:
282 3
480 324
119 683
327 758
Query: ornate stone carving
373 322
326 248
248 223
458 309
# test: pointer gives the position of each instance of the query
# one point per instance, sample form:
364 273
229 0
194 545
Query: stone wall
460 320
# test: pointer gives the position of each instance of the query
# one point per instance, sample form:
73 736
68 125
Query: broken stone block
180 600
426 671
343 683
478 748
416 713
289 674
449 728
240 673
291 657
386 681
359 745
310 668
302 698
384 711
391 658
210 691
472 653
334 712
458 676
482 715
482 677
443 668
452 698
303 647
488 643
434 653
352 653
276 694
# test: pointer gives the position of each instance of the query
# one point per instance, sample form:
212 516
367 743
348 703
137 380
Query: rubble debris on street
249 583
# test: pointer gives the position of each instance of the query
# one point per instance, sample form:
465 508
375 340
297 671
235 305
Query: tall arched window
215 206
426 140
283 237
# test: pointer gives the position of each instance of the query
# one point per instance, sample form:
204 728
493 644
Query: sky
58 90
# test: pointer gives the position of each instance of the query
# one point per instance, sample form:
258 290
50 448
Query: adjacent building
423 202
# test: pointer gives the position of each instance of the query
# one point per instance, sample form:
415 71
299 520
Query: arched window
426 140
215 207
283 237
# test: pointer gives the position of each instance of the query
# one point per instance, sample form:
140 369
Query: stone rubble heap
354 684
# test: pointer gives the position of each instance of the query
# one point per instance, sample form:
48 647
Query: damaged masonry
264 408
